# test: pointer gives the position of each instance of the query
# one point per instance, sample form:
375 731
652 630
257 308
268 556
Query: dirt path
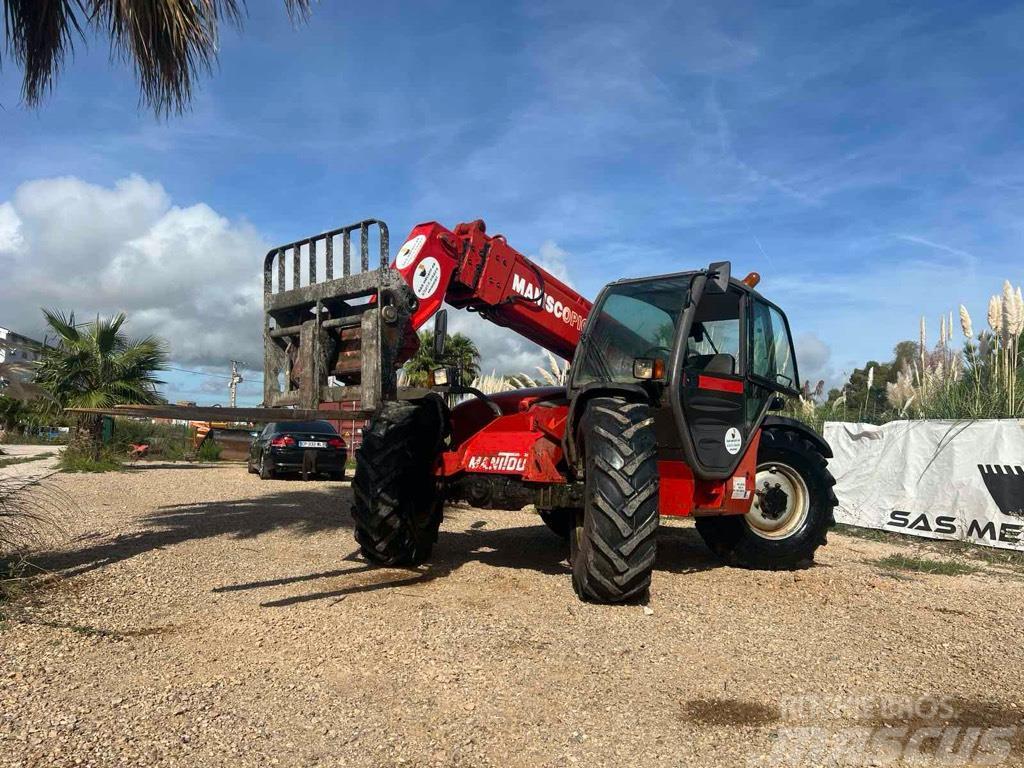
21 464
209 618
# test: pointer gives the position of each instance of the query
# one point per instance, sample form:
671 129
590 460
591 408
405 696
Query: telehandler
667 409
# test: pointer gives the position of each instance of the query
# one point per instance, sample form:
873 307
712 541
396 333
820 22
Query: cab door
733 352
713 396
771 358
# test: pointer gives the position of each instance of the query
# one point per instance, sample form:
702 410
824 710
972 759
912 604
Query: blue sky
866 158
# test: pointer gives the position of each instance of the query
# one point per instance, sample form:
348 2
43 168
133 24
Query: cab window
713 345
771 349
634 319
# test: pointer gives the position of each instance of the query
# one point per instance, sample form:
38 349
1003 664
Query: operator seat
720 363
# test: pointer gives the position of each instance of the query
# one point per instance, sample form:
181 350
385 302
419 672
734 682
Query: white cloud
11 241
813 358
553 259
186 274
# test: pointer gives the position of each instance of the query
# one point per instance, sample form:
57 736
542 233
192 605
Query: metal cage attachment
333 339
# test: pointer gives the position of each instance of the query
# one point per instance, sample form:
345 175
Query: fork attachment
333 339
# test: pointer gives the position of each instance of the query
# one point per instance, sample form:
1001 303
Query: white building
20 352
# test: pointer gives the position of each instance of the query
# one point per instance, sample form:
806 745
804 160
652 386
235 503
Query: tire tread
615 549
397 505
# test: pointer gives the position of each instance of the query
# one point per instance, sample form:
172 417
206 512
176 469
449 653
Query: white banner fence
956 480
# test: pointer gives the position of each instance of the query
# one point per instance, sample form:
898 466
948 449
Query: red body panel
720 385
526 441
682 495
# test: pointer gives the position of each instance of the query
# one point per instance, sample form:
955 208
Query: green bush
209 451
166 441
75 460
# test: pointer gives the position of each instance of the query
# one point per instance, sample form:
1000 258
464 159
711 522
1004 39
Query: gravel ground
203 617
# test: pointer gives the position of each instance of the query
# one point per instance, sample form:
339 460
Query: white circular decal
733 441
408 252
426 278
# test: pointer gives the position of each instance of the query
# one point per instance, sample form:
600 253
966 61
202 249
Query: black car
309 447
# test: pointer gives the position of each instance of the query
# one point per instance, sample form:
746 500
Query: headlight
648 368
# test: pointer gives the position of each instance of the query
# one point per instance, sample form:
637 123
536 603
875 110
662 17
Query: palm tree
12 414
97 366
459 351
169 42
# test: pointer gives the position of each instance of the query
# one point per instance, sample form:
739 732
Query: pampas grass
979 381
965 323
995 314
491 383
552 375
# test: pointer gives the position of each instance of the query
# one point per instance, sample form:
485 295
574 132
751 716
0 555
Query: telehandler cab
666 410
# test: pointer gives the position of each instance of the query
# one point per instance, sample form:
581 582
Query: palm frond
63 325
299 10
41 34
170 43
107 333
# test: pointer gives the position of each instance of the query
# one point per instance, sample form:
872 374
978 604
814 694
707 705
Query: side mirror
440 333
719 273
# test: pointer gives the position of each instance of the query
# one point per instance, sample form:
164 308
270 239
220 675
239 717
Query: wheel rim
781 501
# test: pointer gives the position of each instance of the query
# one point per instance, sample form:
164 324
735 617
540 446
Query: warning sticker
408 253
739 488
733 441
426 278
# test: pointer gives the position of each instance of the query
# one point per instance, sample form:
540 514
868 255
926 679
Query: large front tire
398 500
612 548
792 510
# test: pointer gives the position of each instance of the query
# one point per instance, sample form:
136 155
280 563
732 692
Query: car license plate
311 444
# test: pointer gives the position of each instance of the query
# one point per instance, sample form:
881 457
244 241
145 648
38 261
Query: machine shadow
303 512
533 548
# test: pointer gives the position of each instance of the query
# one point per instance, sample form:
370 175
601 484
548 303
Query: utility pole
236 379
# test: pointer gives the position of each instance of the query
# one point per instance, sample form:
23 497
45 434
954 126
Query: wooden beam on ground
257 415
206 413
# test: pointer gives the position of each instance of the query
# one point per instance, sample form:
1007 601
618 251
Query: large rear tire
612 548
792 510
398 501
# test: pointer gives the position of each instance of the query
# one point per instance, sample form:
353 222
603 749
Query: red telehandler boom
667 408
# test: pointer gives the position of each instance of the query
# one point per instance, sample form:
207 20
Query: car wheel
266 470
